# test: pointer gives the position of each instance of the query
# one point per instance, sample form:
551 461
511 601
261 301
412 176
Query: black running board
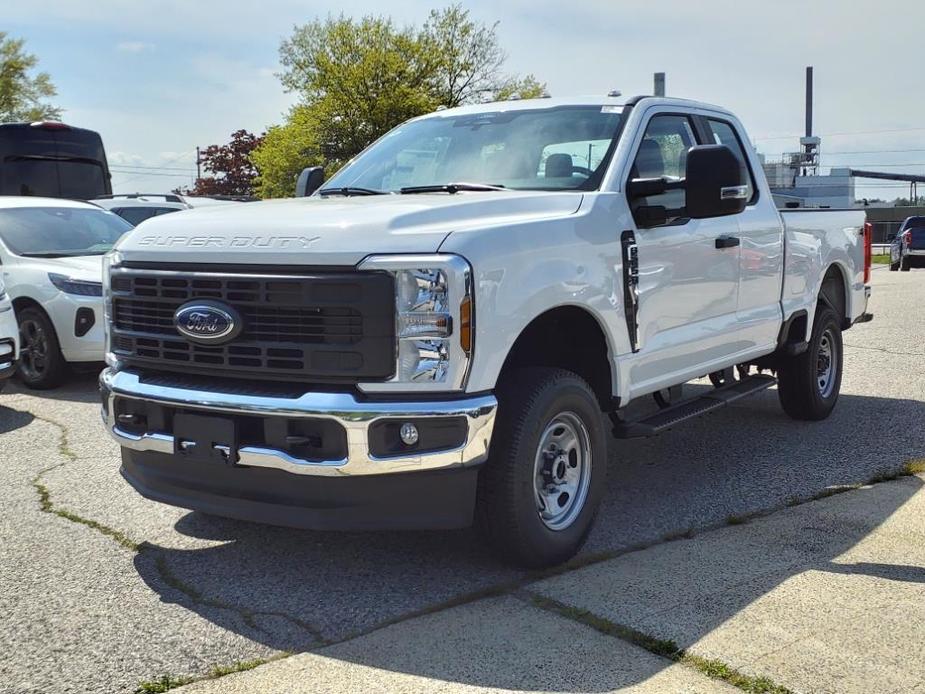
688 409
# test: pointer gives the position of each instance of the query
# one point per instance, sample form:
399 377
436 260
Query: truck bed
813 240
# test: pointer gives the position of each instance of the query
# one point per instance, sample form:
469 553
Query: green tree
467 61
22 93
359 78
286 150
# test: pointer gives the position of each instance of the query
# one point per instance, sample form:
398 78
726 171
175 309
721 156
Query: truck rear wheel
809 383
546 472
904 263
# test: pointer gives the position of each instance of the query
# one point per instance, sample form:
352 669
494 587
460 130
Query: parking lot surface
102 590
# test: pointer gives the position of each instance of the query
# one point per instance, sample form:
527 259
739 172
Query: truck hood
333 231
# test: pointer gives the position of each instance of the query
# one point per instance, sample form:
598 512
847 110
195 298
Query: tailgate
918 238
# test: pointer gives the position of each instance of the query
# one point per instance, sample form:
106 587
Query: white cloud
134 46
124 159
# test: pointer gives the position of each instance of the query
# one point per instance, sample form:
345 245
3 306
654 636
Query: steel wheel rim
562 471
826 364
34 352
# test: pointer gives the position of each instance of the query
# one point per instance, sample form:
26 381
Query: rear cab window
136 215
724 134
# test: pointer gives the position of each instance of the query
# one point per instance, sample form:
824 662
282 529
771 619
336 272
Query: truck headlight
111 260
433 321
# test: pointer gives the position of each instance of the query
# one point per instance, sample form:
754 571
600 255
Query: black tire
535 404
904 264
41 364
894 266
800 378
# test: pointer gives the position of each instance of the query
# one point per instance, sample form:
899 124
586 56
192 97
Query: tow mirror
309 181
715 184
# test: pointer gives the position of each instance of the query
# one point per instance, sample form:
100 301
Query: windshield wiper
348 191
450 188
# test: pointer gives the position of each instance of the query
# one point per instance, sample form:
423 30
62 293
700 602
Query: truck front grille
326 326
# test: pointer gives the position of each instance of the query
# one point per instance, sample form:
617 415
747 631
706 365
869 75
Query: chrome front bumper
354 415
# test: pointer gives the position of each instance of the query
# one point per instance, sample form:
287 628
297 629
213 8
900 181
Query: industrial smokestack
659 84
809 101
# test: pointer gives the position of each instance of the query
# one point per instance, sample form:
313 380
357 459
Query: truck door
688 269
761 263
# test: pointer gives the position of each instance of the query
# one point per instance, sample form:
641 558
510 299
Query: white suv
8 336
137 207
51 252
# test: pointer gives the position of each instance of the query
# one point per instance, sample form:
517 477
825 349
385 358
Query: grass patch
736 520
165 683
662 647
914 467
880 259
714 669
718 670
240 666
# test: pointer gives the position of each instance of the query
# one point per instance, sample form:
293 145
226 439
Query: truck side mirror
714 183
309 181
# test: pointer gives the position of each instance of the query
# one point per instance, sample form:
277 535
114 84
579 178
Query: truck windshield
54 232
562 148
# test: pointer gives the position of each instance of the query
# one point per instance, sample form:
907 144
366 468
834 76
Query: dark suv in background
907 249
54 160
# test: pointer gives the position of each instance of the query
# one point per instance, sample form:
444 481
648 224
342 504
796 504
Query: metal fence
883 232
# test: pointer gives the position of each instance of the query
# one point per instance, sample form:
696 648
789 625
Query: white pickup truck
449 329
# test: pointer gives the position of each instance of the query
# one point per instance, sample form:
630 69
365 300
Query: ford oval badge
207 322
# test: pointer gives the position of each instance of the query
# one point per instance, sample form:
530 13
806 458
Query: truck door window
725 134
663 152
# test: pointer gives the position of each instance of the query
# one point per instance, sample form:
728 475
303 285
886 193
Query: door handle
727 241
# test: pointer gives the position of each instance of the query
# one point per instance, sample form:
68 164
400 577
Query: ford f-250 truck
449 328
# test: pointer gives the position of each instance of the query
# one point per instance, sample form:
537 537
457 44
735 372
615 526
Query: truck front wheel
809 383
546 472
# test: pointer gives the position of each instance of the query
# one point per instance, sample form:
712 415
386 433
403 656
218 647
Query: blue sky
160 77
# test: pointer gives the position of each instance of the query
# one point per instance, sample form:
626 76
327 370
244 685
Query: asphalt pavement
101 590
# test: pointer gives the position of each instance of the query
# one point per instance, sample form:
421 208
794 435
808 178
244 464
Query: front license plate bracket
206 439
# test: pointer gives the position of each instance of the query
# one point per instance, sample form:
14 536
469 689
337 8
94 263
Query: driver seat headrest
558 166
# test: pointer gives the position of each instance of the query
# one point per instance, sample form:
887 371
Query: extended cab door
688 269
761 253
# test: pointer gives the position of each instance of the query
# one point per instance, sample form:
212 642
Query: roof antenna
614 92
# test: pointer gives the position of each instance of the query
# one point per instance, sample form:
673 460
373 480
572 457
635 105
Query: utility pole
198 165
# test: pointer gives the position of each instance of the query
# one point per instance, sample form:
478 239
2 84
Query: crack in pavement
884 350
167 577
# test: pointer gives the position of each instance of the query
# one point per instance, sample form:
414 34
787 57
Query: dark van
53 160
